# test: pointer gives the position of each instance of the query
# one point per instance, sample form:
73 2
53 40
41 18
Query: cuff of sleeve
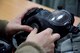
34 45
3 24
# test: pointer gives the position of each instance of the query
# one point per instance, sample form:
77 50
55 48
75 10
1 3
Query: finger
47 31
25 28
50 48
55 37
52 45
34 31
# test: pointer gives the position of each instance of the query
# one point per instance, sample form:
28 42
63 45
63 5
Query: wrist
34 45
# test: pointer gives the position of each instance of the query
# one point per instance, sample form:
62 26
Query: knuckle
49 30
47 33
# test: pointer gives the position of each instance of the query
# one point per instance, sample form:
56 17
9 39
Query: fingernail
35 28
31 28
50 29
58 35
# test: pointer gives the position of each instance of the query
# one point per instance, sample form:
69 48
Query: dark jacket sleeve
30 47
3 24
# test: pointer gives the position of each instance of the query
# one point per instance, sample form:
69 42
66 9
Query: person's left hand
15 25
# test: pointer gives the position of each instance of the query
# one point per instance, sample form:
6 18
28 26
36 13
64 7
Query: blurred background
72 6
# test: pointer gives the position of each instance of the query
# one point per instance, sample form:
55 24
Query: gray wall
72 6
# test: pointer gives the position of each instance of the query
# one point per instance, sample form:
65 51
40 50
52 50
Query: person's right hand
45 39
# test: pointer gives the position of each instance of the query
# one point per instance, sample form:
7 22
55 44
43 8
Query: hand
45 39
15 25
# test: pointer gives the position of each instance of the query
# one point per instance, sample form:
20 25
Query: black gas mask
5 46
61 21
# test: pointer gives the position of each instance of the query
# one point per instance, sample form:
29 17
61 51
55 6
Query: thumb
25 28
34 31
55 37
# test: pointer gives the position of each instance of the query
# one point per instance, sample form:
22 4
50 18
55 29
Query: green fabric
3 24
29 47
